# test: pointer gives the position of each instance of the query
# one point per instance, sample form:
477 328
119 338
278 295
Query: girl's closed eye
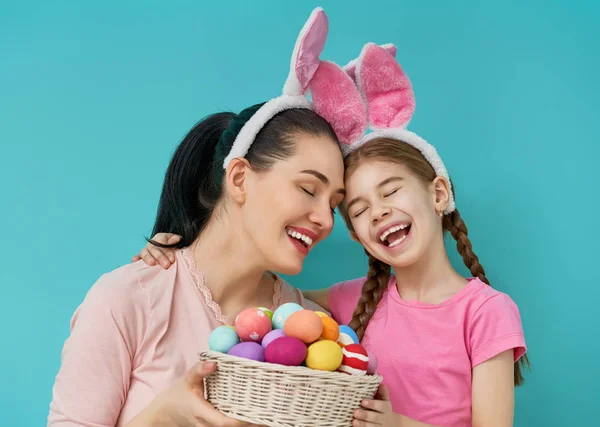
391 192
359 212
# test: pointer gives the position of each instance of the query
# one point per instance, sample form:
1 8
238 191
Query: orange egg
331 330
304 325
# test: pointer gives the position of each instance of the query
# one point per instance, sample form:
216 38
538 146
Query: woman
248 194
141 327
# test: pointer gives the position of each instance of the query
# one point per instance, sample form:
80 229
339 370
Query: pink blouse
138 329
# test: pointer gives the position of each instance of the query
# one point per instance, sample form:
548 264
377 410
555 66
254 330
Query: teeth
391 230
300 236
397 242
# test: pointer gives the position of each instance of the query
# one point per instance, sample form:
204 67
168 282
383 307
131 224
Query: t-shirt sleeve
96 363
335 301
343 298
495 328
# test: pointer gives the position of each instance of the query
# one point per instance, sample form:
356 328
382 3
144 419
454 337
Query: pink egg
248 350
287 351
372 364
272 336
252 324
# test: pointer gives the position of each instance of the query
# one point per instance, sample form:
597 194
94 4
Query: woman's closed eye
310 193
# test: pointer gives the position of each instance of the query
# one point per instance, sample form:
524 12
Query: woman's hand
152 255
377 412
183 405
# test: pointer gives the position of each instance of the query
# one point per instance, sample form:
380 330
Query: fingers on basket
363 418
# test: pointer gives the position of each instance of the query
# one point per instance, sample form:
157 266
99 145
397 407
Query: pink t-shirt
426 352
138 329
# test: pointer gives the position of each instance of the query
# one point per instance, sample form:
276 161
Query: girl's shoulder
344 296
493 324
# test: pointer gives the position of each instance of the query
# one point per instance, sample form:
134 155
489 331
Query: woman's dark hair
194 179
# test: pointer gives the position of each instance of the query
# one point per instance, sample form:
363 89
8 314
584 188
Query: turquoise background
94 97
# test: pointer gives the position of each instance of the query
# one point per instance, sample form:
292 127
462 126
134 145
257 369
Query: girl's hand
183 405
377 412
152 255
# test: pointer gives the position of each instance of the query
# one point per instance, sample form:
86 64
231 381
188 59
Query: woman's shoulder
134 285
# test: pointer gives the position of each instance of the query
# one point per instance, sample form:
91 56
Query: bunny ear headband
388 94
330 87
371 92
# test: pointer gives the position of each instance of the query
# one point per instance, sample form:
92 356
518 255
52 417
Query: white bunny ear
305 59
304 65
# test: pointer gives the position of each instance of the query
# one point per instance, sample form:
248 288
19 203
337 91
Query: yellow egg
321 314
325 355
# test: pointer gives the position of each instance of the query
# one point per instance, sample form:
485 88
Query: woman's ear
441 193
236 176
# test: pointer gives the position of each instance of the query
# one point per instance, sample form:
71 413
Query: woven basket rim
290 370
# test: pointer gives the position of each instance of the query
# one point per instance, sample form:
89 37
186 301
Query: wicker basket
283 396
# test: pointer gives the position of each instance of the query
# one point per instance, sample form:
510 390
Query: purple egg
248 350
272 336
287 351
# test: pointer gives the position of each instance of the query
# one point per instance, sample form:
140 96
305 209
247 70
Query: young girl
447 346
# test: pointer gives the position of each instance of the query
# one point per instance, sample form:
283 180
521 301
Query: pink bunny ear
305 59
385 87
350 67
336 99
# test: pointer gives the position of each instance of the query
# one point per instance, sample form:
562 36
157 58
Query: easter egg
372 364
347 336
304 325
283 312
321 314
268 312
324 355
221 339
272 336
287 351
355 360
248 350
331 330
252 324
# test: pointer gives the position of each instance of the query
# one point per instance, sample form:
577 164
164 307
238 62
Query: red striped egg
355 360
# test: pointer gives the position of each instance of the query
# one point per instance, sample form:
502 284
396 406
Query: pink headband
370 92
